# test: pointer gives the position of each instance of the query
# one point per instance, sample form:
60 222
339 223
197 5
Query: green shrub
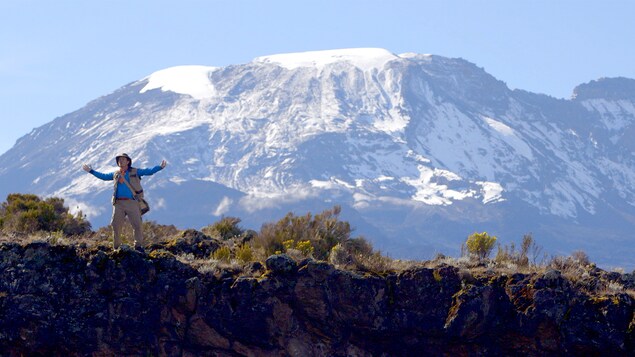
222 254
28 213
358 253
529 255
573 267
305 247
480 244
224 229
244 253
580 257
288 244
359 246
340 256
531 252
323 231
376 263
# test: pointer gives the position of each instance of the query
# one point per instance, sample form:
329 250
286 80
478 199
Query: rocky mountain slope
420 150
60 300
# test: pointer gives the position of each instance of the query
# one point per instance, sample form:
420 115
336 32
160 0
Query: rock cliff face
62 300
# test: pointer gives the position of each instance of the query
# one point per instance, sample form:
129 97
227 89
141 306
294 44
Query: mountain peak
363 58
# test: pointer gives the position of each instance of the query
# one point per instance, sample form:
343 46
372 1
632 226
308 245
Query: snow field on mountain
190 80
616 115
363 58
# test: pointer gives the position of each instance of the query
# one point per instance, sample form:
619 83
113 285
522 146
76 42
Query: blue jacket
122 190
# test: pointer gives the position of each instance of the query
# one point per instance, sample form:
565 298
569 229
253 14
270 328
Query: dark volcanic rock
281 264
191 242
56 300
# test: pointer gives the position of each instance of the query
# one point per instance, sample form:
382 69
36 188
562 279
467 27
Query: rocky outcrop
62 300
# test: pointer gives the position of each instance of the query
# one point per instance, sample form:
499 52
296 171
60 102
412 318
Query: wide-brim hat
123 155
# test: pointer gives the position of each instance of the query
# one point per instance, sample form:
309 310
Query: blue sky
56 56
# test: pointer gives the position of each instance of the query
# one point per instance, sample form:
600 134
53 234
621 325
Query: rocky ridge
67 300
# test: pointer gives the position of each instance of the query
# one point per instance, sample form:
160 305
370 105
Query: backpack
135 186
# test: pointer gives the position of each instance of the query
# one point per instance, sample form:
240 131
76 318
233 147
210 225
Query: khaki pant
120 210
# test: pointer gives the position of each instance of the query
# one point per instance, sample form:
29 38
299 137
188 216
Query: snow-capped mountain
420 150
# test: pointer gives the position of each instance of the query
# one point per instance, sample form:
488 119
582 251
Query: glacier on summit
419 150
190 80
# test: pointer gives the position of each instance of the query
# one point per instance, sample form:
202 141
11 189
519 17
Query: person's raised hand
87 168
163 164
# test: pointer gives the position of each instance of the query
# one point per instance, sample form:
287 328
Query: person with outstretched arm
125 201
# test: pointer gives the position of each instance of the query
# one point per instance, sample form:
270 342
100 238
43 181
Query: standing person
124 200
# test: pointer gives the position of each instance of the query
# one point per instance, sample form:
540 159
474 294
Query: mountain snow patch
616 115
190 80
491 191
430 192
363 58
223 206
508 135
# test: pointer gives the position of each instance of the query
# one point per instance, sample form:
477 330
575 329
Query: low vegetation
480 244
224 246
312 235
26 213
224 229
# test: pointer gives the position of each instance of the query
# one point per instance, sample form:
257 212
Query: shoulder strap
134 193
115 177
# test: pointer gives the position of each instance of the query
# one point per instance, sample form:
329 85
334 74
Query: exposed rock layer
59 300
